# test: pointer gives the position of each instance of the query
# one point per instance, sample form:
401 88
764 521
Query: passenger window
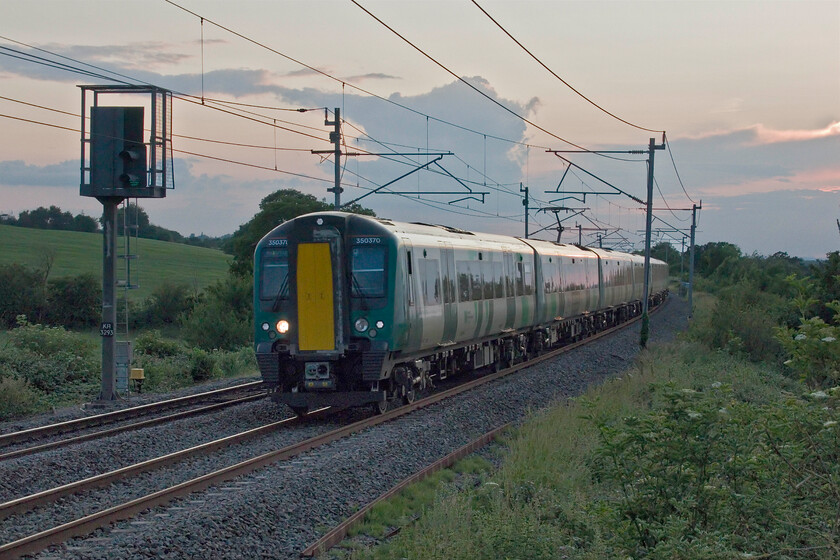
529 278
475 276
430 278
498 280
487 278
464 292
520 279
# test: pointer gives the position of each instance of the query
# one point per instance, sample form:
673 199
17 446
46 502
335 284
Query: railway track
84 525
10 442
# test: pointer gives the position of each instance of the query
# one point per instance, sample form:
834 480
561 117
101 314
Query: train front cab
322 310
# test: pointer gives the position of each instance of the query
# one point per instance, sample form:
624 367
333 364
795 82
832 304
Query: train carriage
353 310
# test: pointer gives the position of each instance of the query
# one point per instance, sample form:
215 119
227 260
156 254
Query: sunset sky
747 92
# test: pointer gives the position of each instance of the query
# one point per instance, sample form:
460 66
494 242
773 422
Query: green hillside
76 253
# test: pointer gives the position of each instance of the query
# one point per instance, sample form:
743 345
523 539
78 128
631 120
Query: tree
275 209
46 218
711 255
145 229
21 293
85 223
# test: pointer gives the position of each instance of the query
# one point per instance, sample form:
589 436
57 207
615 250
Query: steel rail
83 526
339 532
90 421
26 503
126 428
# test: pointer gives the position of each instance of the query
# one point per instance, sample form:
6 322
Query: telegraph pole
652 147
335 138
525 203
694 209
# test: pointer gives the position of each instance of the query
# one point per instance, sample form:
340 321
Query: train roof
470 238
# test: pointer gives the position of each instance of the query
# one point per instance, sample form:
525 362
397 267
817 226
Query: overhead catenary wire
84 72
202 101
427 202
126 80
227 143
462 80
345 82
567 84
671 153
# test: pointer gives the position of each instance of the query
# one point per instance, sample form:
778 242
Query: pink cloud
825 179
766 135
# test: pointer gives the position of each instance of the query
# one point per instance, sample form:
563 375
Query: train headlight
361 324
265 326
282 326
380 325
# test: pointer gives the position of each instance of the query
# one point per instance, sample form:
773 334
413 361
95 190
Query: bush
74 301
49 358
164 373
224 319
202 365
706 476
166 304
21 293
17 398
743 321
235 362
152 343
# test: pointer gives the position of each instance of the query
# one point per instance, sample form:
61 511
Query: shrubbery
223 319
46 365
22 292
167 304
743 320
74 302
707 476
170 364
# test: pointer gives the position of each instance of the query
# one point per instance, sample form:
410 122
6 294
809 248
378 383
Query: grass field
76 253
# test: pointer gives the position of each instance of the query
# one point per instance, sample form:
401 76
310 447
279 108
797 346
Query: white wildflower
716 385
819 395
723 411
694 415
829 339
788 362
800 336
829 424
689 391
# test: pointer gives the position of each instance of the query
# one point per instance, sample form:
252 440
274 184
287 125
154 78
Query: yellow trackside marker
315 297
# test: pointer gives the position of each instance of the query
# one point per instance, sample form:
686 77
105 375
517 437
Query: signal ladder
126 277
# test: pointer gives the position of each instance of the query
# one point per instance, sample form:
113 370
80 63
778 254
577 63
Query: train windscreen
274 274
367 268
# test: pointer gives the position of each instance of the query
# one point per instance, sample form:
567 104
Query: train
352 310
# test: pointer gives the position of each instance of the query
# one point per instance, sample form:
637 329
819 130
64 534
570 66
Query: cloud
371 76
19 173
766 135
800 223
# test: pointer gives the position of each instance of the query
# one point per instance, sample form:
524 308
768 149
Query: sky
748 94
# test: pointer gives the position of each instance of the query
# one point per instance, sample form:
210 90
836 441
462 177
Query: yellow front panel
315 297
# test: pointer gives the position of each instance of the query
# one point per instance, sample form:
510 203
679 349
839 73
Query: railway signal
116 164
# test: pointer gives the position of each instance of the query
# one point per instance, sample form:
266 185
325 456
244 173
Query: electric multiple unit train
352 310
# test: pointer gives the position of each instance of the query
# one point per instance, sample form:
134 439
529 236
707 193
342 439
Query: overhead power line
345 82
567 84
462 80
668 145
129 80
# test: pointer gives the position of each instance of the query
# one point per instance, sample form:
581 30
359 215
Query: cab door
315 297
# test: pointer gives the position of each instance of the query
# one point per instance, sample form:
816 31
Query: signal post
118 163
